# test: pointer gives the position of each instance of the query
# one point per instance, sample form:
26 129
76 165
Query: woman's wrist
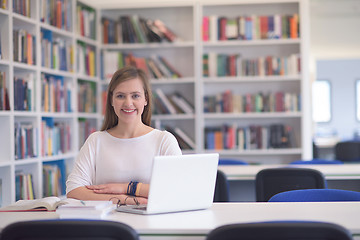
134 189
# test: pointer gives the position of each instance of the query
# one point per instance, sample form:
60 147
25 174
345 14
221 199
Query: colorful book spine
56 13
251 137
252 27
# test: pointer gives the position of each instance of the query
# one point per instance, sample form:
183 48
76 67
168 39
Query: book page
47 203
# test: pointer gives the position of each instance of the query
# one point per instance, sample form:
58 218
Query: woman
116 162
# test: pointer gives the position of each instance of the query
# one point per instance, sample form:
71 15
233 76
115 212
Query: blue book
248 28
210 139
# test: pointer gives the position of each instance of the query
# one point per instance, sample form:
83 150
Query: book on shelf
54 178
3 4
57 14
86 18
24 99
136 29
85 59
170 108
4 96
182 103
185 142
24 186
24 50
250 137
25 140
86 96
185 137
250 27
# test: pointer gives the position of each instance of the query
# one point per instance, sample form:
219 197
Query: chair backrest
316 195
223 161
221 193
280 231
68 229
317 161
348 151
271 181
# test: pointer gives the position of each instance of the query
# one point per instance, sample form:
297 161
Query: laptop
179 183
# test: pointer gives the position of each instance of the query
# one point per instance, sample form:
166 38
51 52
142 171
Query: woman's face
129 100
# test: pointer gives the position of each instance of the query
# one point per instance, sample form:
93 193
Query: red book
222 26
29 48
294 26
58 14
105 31
264 27
279 102
205 28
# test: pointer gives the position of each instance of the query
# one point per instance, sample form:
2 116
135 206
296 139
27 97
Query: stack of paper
86 209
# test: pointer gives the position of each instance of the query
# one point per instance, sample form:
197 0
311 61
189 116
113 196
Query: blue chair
222 189
68 229
316 195
280 231
232 162
316 161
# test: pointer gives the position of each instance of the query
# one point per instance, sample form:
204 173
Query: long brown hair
124 74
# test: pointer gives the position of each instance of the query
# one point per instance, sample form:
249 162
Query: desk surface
196 224
331 171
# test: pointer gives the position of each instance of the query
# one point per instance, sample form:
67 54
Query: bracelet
131 189
137 192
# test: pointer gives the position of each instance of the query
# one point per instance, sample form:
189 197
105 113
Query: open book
42 204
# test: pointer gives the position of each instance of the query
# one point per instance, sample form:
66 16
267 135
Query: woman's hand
109 188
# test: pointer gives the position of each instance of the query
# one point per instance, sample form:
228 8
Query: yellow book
46 97
49 146
91 63
30 187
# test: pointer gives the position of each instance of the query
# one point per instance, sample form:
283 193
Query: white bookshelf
181 18
197 86
299 120
9 164
185 19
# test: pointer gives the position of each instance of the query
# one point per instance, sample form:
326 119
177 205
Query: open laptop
179 183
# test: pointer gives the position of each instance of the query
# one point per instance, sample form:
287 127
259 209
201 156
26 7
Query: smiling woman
116 162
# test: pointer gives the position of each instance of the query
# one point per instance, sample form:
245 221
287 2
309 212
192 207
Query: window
321 99
358 100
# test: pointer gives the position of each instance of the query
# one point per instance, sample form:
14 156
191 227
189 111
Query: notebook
179 183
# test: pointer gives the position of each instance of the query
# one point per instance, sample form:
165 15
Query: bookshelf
252 61
51 58
87 65
256 81
181 54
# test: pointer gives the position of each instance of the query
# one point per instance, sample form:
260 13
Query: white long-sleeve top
107 159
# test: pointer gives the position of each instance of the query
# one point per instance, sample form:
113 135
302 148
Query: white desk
242 177
196 224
